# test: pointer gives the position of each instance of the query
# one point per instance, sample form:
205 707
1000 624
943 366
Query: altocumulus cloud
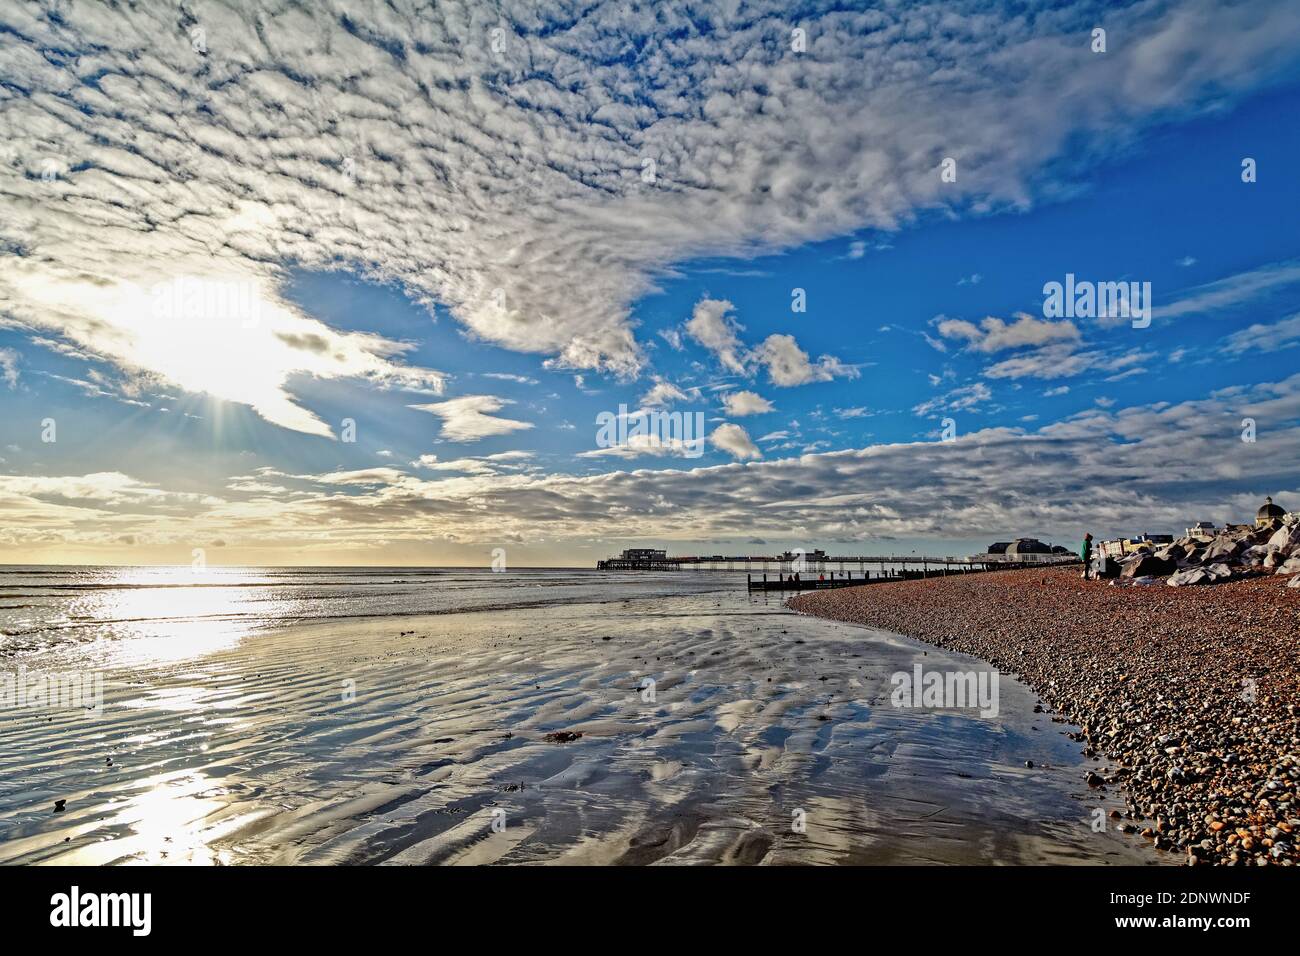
1113 468
504 176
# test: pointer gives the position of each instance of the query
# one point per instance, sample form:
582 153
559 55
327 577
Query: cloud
469 417
858 411
1148 467
9 367
1063 361
712 326
995 335
227 335
504 181
735 441
1264 337
663 393
477 465
510 377
737 404
1232 291
965 398
788 365
651 444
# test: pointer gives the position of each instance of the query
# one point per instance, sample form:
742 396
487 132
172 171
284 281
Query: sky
365 284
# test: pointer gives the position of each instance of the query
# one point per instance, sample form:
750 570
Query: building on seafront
1269 514
1120 547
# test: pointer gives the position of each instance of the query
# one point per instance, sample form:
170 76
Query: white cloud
469 417
995 335
1114 471
737 404
1264 337
9 367
788 365
510 377
476 465
735 441
1062 361
229 335
663 393
1233 290
458 171
642 444
712 326
965 398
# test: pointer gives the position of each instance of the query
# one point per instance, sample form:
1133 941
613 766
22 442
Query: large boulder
1226 548
1144 565
1189 576
1285 539
1208 574
1290 566
1255 555
1172 552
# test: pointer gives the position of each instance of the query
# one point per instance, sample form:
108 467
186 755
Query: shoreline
252 753
1185 697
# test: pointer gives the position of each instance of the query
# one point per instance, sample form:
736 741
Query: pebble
1188 692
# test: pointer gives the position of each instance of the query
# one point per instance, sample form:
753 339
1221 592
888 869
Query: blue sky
466 309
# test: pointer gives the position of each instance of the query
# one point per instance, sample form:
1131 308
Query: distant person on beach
1085 552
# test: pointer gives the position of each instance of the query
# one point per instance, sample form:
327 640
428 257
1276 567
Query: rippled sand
258 753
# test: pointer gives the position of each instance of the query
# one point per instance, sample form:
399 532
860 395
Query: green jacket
1085 550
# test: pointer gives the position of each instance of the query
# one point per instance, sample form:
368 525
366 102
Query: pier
818 563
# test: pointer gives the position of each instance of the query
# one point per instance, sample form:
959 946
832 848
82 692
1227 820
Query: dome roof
1269 510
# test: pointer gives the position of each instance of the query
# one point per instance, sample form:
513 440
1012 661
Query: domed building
1268 514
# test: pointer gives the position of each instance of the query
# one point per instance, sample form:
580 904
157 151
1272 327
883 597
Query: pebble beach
1186 699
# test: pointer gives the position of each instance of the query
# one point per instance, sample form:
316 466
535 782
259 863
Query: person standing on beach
1085 552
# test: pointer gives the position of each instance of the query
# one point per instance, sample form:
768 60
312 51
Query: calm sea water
46 609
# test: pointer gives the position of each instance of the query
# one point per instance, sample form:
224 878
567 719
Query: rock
1189 576
563 736
1029 764
1225 549
1094 780
1285 539
1290 566
1145 565
1294 582
58 805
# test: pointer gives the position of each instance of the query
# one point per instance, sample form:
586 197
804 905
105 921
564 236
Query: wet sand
259 753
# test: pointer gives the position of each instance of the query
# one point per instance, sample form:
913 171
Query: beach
1186 697
395 717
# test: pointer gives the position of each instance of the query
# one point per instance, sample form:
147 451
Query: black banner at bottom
334 906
